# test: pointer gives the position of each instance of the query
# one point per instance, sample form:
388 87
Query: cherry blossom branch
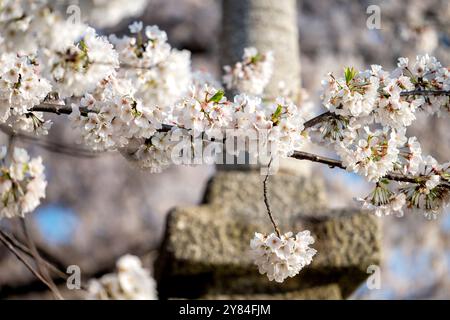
60 109
67 110
63 109
332 163
426 93
324 116
319 119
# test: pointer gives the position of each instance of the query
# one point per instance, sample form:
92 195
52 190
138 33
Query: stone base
329 292
206 252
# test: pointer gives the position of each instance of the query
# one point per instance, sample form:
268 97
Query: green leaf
277 114
350 74
217 97
134 110
256 58
83 46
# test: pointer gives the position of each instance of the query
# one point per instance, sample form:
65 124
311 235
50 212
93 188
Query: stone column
266 25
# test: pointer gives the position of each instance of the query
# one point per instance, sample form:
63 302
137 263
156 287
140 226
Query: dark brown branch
300 155
64 109
308 124
58 109
332 163
319 119
425 93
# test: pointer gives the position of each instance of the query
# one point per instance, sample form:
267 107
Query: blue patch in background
57 224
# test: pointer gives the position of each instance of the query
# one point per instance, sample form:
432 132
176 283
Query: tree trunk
265 25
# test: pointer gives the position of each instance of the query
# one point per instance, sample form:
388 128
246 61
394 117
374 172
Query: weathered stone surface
241 194
328 292
265 25
206 252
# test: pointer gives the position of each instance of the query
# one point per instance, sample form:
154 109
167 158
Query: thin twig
11 142
42 269
52 146
13 250
24 249
267 202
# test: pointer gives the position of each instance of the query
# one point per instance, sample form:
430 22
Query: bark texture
266 25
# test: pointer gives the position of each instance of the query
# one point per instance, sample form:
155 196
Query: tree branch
319 119
24 249
332 163
426 93
267 203
13 250
59 109
39 261
67 110
52 146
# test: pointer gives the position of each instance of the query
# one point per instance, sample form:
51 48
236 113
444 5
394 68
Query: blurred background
100 208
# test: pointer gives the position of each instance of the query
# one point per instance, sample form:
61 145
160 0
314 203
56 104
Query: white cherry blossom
130 282
282 257
22 183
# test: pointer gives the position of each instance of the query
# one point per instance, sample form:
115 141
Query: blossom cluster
388 98
252 74
22 183
282 257
279 124
160 74
429 194
112 117
131 282
124 90
371 111
371 154
45 55
79 67
22 87
276 126
155 153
